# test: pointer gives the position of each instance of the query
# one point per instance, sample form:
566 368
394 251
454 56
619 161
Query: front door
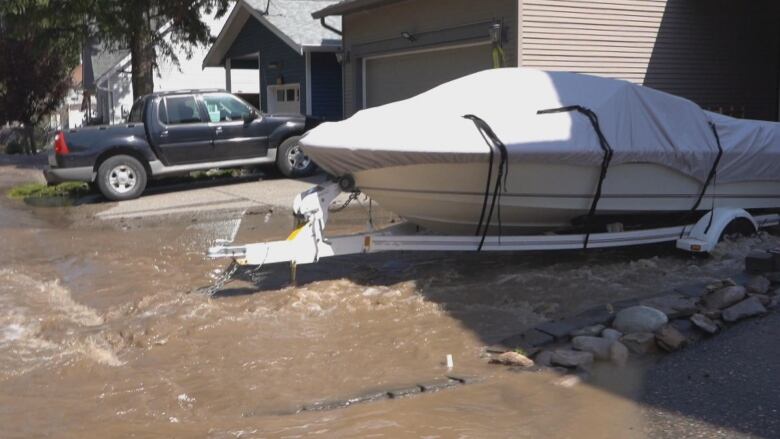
185 136
235 135
284 99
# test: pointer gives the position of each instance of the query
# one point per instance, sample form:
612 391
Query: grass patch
71 189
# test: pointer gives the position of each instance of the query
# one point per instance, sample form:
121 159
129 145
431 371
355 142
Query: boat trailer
308 244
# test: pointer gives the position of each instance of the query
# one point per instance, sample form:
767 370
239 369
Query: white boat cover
641 125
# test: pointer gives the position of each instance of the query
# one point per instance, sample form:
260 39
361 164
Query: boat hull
448 197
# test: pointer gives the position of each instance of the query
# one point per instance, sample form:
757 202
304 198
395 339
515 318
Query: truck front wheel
291 160
121 177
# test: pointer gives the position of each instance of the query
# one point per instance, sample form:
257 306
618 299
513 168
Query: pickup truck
174 133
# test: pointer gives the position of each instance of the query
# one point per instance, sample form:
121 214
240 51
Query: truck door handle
218 130
164 133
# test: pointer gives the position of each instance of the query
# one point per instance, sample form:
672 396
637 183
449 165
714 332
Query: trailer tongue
308 244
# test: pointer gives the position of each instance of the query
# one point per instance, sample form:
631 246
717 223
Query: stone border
649 325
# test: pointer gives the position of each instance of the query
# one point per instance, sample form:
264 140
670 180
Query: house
107 77
73 112
295 57
722 54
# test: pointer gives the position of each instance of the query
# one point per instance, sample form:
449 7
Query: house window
284 99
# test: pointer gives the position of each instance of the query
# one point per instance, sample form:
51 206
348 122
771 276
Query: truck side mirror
249 117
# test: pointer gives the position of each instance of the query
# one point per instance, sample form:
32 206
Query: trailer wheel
291 160
738 228
121 177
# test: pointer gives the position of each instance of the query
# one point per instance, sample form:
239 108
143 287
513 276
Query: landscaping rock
705 324
639 343
691 290
544 358
558 329
670 339
758 285
775 252
774 278
513 359
759 262
597 346
763 298
528 340
712 314
618 353
720 284
724 297
571 358
568 381
593 331
600 315
747 308
673 305
611 334
639 319
686 328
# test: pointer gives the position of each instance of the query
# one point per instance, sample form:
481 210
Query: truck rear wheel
121 177
291 160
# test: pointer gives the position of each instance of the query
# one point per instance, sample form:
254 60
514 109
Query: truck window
182 110
136 113
224 107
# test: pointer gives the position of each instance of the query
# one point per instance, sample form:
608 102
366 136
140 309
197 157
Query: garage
721 54
396 76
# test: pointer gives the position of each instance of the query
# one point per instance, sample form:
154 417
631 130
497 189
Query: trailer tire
291 161
738 228
121 177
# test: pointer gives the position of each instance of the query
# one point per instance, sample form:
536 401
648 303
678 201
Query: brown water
101 334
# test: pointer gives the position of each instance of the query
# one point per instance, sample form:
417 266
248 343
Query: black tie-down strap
608 152
710 178
492 141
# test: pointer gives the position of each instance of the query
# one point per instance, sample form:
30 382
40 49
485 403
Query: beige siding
722 54
417 16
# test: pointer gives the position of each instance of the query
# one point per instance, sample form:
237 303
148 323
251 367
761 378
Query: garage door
395 77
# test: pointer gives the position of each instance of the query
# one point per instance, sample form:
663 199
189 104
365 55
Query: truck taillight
60 146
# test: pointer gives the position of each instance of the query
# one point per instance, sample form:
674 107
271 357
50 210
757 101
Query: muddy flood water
104 334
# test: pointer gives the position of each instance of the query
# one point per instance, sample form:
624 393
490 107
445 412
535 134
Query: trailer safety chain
352 197
492 141
608 153
224 278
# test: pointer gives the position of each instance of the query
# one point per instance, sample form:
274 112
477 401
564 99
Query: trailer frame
308 244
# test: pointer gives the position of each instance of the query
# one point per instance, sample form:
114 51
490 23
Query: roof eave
343 8
225 39
321 48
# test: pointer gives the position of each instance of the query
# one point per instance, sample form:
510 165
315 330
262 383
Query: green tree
40 43
142 27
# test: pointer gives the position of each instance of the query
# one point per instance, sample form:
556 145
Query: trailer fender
706 233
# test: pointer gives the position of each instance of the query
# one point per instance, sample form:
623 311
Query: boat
522 151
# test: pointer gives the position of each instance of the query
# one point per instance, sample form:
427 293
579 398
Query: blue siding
326 97
255 37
